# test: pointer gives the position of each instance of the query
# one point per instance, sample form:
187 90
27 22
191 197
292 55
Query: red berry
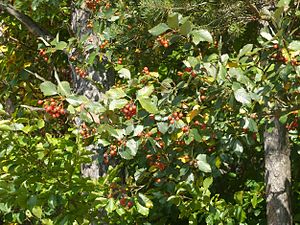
197 123
40 102
62 111
113 153
188 69
122 201
129 204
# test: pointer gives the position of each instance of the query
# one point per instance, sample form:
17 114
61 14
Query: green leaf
207 182
162 127
111 206
132 145
64 88
185 28
194 133
115 93
117 104
130 150
146 201
283 119
242 96
173 20
48 88
250 124
294 45
92 57
138 130
159 29
141 209
61 45
47 222
246 49
5 127
202 163
145 91
41 123
124 73
201 35
238 147
266 35
148 105
254 201
283 3
76 100
37 211
238 197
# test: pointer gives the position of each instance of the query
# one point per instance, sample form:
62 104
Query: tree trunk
277 174
99 74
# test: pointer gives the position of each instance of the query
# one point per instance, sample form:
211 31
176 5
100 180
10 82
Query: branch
32 26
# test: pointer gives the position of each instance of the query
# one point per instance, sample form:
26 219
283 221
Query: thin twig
35 74
32 108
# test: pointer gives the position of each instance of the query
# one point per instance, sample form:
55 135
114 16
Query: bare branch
32 26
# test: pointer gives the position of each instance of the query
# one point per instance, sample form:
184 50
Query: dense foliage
179 134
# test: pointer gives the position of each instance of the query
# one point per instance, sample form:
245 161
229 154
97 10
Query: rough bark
277 174
99 75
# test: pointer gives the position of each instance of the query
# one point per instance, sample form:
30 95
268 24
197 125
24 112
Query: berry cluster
113 151
188 70
82 73
92 4
185 129
175 116
43 54
120 60
280 58
104 44
163 41
129 110
53 107
85 131
124 202
155 161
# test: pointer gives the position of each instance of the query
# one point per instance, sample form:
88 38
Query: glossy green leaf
115 93
245 50
173 20
117 104
37 211
202 163
185 28
111 206
294 45
159 29
124 73
145 200
148 105
207 182
48 88
64 88
145 91
61 45
142 209
242 96
201 35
